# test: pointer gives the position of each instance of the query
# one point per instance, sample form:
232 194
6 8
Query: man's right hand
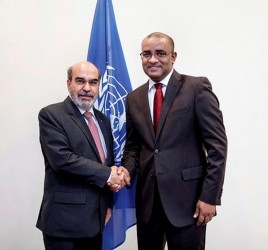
123 170
119 178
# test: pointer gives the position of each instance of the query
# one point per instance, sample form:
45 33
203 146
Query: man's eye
93 82
79 81
147 55
161 54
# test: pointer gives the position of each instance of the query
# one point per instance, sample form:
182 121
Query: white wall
225 40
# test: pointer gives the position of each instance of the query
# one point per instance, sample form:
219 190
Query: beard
85 105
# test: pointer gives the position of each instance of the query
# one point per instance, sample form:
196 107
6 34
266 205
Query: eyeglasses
158 54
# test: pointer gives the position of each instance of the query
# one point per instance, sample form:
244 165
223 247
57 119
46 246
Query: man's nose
87 87
153 58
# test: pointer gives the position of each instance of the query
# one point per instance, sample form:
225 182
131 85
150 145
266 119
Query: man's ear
68 84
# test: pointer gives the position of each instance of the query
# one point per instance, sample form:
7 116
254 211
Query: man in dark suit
78 166
180 157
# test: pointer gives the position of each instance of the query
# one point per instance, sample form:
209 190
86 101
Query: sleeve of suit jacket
210 124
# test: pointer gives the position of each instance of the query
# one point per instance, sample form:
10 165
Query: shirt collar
164 81
83 111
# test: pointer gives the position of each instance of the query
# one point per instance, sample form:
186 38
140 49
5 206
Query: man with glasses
177 146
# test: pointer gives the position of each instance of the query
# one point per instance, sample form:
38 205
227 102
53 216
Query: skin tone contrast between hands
119 178
84 89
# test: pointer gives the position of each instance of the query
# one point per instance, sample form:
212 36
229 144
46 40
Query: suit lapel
143 95
172 89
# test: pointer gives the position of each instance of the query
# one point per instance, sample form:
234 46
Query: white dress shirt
152 89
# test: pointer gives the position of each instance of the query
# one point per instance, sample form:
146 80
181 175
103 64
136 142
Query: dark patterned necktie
158 101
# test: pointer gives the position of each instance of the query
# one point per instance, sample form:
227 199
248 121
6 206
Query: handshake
119 178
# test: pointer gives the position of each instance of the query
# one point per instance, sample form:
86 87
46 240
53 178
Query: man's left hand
204 213
108 215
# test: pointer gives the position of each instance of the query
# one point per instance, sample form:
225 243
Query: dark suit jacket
187 155
75 196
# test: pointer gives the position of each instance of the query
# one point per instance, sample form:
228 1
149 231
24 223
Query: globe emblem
111 102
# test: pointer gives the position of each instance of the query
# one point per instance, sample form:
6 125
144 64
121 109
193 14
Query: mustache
86 95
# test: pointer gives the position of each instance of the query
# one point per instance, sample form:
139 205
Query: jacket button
156 151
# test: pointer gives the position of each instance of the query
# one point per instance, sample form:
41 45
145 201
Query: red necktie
95 134
158 100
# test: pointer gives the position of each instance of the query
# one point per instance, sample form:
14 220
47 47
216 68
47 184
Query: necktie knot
88 115
158 85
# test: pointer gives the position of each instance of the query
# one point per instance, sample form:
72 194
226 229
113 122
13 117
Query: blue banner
105 51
